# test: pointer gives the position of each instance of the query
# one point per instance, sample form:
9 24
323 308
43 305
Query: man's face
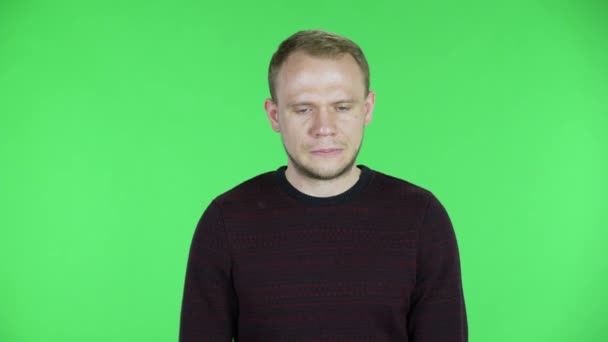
321 112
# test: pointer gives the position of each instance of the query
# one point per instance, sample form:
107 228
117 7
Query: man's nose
324 123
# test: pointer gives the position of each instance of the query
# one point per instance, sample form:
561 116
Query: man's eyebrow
305 103
346 101
301 103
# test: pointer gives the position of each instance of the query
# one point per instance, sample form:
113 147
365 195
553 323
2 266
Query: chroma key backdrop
121 120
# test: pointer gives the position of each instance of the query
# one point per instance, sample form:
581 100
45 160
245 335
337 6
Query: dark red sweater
379 262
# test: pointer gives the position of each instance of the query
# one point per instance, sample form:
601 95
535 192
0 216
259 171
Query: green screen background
121 120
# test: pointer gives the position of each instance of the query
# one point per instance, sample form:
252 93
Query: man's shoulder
249 189
392 187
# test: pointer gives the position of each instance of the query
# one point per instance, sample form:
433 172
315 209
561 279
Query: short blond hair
316 43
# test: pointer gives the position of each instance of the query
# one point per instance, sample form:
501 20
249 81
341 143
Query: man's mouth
327 152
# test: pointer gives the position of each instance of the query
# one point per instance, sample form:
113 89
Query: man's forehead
303 54
301 61
336 94
310 79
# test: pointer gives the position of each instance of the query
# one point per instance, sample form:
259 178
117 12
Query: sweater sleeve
437 312
209 302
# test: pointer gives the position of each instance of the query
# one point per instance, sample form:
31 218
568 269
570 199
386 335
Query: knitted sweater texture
378 262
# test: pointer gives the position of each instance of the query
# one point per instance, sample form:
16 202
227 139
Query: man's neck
320 187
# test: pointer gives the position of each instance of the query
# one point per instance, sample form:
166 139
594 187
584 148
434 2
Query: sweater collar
364 178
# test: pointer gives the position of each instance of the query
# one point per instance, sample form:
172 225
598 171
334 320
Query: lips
326 152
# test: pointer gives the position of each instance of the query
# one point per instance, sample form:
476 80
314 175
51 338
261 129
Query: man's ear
272 112
370 103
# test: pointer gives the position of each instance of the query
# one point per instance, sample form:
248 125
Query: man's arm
209 304
437 312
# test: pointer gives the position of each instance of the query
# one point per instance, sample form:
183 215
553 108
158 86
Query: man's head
319 44
320 102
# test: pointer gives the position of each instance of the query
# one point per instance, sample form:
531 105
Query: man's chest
321 269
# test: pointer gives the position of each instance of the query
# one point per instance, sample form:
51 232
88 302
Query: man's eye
303 110
343 108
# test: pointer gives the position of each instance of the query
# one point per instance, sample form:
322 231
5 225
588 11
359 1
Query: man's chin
328 169
323 172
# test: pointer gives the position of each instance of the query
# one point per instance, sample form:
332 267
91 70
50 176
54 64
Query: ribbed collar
364 178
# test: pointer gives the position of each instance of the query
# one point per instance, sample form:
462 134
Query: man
323 249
